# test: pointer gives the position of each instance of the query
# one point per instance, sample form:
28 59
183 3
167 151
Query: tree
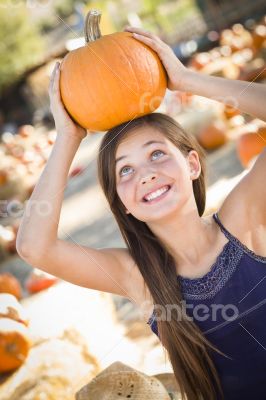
64 7
21 45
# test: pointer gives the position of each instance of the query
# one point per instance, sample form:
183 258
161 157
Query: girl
152 173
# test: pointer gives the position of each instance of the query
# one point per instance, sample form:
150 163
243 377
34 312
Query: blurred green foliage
64 7
162 16
21 45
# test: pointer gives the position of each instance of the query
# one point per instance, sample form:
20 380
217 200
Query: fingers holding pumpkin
148 38
153 43
54 87
54 77
142 32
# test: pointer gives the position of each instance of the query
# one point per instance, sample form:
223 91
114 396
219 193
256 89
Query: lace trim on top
209 285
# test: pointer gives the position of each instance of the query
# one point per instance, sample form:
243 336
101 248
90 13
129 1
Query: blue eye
123 169
157 151
126 168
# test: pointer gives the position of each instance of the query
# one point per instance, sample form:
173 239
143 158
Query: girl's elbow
29 251
24 249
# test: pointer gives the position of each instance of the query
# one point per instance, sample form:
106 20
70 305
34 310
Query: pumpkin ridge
83 81
149 68
129 63
103 82
66 85
137 94
89 91
100 58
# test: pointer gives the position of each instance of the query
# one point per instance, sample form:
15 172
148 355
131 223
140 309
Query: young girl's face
153 178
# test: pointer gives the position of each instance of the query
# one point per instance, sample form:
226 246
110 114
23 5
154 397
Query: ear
193 164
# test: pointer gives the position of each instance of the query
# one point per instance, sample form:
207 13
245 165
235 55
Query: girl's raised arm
37 242
247 97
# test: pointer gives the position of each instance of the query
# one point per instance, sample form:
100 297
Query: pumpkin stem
92 26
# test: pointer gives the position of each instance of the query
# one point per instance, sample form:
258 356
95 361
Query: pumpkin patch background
47 325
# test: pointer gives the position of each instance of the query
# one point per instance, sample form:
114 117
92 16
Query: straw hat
119 382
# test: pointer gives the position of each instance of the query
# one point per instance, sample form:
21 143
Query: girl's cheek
169 169
124 189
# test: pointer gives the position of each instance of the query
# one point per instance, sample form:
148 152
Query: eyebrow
144 145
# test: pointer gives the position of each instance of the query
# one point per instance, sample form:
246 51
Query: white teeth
156 194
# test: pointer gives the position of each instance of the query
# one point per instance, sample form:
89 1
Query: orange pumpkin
38 281
200 60
10 284
212 136
26 131
14 344
250 144
259 36
11 308
230 111
3 177
112 79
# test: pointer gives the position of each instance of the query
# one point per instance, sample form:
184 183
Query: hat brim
169 382
133 384
163 385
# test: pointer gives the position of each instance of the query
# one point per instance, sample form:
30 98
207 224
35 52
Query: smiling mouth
161 192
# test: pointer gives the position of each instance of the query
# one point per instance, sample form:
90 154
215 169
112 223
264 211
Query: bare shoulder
243 212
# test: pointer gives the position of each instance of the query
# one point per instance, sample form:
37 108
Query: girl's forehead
140 136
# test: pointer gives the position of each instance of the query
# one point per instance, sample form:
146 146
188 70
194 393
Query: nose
147 178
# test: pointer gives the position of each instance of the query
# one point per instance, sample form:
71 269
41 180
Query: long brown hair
187 347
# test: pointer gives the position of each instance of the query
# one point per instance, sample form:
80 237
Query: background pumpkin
112 79
39 280
212 136
26 131
10 284
3 177
230 111
250 144
259 36
14 344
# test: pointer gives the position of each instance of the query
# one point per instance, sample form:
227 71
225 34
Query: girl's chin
161 213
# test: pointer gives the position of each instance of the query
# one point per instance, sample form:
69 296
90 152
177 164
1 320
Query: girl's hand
63 122
176 71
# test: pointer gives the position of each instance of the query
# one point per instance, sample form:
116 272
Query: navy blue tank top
229 306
